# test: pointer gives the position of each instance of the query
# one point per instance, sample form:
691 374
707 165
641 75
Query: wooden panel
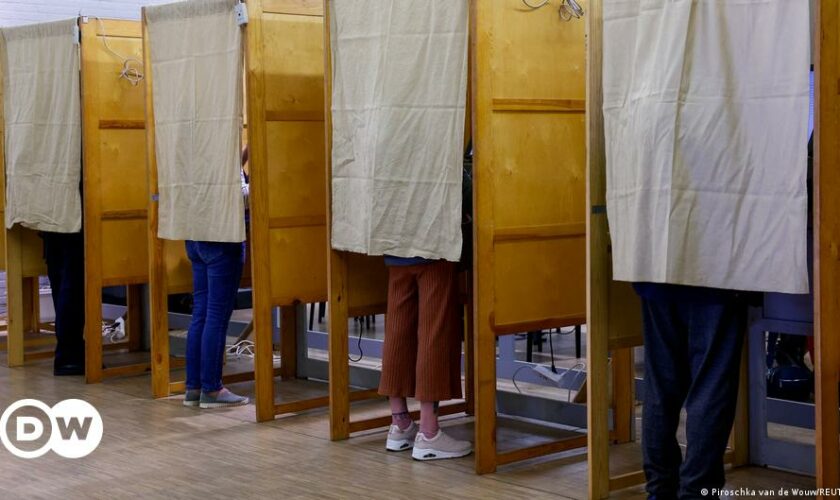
529 185
827 244
177 267
114 172
367 283
285 80
298 259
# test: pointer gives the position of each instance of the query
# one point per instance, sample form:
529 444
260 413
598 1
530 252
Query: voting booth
188 199
285 90
115 191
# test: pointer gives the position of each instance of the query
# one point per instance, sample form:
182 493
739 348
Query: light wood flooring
160 449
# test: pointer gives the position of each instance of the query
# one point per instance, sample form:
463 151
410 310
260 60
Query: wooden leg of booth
15 317
31 311
485 398
623 397
827 242
339 349
134 317
264 360
288 342
93 333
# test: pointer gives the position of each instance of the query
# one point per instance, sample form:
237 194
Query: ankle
401 420
430 433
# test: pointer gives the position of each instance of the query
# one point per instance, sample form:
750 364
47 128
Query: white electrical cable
132 68
244 349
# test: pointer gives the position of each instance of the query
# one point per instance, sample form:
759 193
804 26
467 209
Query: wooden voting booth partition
827 245
115 188
170 271
285 78
23 263
529 181
614 322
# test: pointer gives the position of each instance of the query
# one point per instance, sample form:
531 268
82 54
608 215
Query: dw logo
30 428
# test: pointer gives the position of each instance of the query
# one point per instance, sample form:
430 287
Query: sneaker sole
426 455
399 444
191 404
209 406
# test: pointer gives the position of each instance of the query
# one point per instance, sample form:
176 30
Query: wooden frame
170 271
357 286
613 310
827 235
288 221
529 205
114 194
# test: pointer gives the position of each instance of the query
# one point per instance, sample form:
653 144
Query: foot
401 439
439 447
192 397
221 399
68 369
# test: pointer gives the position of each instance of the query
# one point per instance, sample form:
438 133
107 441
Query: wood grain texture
528 98
285 78
827 241
597 266
158 283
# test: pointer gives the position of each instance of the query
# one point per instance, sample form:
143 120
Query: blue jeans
217 270
692 359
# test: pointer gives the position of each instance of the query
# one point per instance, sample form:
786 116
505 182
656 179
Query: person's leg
64 255
716 336
224 271
199 314
666 385
399 353
438 359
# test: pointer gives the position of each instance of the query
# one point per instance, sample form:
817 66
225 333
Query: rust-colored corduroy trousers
423 330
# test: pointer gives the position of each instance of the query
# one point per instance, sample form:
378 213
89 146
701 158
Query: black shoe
69 369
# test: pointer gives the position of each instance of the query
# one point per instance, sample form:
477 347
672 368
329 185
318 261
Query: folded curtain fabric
398 109
43 126
196 54
706 123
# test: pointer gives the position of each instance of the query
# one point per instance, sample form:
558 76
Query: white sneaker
401 440
439 447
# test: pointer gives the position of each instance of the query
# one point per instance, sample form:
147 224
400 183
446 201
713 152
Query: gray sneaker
401 440
192 397
439 447
223 399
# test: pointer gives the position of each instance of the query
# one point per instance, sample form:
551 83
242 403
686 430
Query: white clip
241 11
77 35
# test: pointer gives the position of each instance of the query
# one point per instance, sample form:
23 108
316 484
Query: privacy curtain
398 108
43 126
196 53
706 121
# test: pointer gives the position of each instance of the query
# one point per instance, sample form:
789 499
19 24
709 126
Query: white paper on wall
196 53
398 109
706 123
43 126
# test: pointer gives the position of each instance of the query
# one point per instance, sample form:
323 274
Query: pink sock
399 413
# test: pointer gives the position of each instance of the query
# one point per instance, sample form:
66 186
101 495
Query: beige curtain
196 53
398 104
43 126
706 120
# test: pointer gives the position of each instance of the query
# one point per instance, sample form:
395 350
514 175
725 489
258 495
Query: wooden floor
160 449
